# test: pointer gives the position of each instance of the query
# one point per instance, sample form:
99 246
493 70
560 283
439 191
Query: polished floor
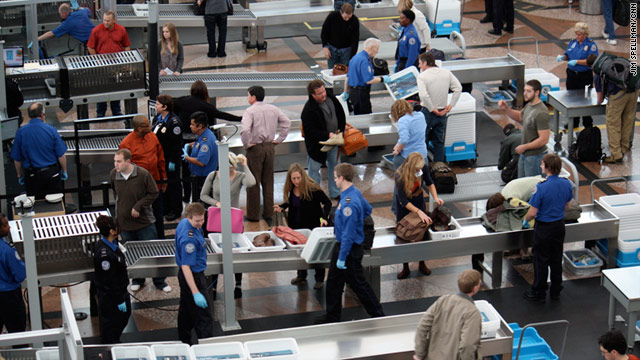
270 295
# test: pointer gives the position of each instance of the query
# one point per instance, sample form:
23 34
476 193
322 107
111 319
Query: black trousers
112 320
503 13
577 81
173 196
158 213
319 274
189 315
186 182
361 99
197 182
488 8
13 315
210 22
548 238
40 182
353 276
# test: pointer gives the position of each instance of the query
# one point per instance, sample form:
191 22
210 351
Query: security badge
189 248
164 130
106 265
586 47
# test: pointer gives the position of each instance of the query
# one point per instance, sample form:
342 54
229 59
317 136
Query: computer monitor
13 56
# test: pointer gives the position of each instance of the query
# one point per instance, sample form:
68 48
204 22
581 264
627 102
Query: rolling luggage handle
614 179
525 38
564 323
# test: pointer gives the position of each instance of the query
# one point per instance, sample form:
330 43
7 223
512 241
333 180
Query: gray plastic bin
491 98
570 256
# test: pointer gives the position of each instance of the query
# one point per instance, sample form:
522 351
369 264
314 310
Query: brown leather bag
354 140
340 69
411 228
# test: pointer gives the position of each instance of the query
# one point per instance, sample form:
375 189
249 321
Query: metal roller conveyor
181 15
137 250
236 84
95 145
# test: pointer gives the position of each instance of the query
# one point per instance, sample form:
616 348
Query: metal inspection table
365 338
624 287
574 103
387 49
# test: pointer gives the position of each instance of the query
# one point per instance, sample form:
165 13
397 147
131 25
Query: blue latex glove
345 96
123 307
386 79
64 176
525 224
559 58
172 167
21 180
573 62
30 45
185 151
200 301
340 265
74 5
395 68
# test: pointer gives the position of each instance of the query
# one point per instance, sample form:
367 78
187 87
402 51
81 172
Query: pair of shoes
222 54
212 56
164 287
424 268
532 296
336 140
605 34
495 32
318 285
612 41
404 273
250 220
611 160
298 281
237 293
485 20
509 30
135 287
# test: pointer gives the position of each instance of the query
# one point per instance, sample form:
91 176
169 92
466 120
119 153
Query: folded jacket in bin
290 235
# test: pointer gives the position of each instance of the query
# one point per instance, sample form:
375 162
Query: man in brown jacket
452 326
135 191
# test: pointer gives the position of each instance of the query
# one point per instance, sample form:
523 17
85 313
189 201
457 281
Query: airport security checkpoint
452 161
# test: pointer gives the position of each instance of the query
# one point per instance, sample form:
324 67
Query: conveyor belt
240 77
107 143
154 248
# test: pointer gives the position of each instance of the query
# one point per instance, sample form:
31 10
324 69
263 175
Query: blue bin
534 347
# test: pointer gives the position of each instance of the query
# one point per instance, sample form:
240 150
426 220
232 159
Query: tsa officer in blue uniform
548 204
346 260
360 77
191 257
408 43
579 74
111 282
38 154
203 158
13 314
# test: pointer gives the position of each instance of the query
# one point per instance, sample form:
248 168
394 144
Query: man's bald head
64 10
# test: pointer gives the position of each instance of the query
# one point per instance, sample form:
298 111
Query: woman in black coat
308 207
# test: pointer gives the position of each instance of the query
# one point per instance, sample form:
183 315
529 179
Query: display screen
13 56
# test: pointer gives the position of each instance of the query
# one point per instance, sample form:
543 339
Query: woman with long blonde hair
409 197
171 54
308 207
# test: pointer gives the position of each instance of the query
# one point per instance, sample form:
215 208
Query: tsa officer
168 128
360 77
346 260
12 272
203 158
111 281
38 154
408 43
191 257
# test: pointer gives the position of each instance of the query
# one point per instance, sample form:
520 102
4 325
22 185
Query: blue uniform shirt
349 222
78 25
37 145
12 270
575 51
550 198
191 248
112 245
409 45
360 69
205 150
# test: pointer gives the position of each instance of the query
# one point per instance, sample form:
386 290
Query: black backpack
618 70
380 67
443 177
510 172
622 12
588 147
437 54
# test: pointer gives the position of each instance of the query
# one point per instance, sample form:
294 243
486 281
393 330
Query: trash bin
591 7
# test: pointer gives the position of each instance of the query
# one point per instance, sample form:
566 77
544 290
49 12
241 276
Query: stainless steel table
623 286
365 338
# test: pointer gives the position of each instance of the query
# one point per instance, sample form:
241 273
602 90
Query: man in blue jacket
346 261
75 23
12 272
203 158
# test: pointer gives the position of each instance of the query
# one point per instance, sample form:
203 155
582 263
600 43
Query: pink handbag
214 220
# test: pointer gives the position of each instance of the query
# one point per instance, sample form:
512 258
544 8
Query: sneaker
298 281
135 287
605 35
612 41
318 285
611 160
166 288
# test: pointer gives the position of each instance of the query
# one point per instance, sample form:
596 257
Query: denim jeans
437 125
529 165
339 56
210 22
313 168
101 108
146 233
397 162
607 11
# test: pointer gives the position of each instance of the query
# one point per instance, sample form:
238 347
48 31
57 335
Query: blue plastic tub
534 347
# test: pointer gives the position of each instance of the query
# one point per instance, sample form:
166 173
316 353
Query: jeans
101 108
210 22
436 127
313 168
397 162
146 233
339 56
529 165
607 11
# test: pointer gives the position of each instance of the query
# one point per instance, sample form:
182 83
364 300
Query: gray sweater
210 193
215 7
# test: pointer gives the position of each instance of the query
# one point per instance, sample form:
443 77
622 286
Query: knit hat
233 159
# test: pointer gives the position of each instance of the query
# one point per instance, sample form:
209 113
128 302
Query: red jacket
146 152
